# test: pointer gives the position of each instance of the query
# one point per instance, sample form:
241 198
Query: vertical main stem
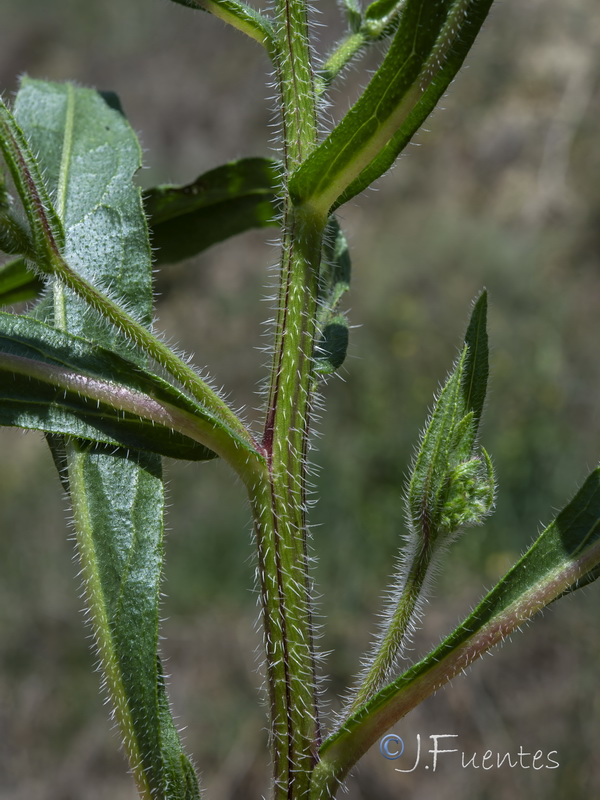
295 79
279 505
279 497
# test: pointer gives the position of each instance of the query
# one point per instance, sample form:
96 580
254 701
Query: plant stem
370 31
279 505
295 80
279 499
396 630
341 56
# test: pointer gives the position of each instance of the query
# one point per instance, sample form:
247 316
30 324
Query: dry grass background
502 192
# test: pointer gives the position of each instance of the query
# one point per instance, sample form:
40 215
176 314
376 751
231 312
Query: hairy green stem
342 55
373 28
295 79
279 505
279 500
397 628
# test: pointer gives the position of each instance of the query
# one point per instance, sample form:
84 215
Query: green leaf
18 283
334 281
332 346
92 263
14 237
74 373
33 404
231 199
118 506
428 49
565 555
89 155
185 220
59 383
476 370
85 273
380 13
45 236
449 485
240 15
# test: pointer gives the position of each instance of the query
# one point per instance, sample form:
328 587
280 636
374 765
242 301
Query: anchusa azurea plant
85 366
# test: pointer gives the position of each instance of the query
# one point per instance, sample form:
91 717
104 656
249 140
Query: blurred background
502 191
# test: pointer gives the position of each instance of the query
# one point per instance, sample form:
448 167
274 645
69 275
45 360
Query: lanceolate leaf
424 55
40 393
117 501
35 404
184 220
114 396
336 267
476 370
449 486
88 155
566 555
